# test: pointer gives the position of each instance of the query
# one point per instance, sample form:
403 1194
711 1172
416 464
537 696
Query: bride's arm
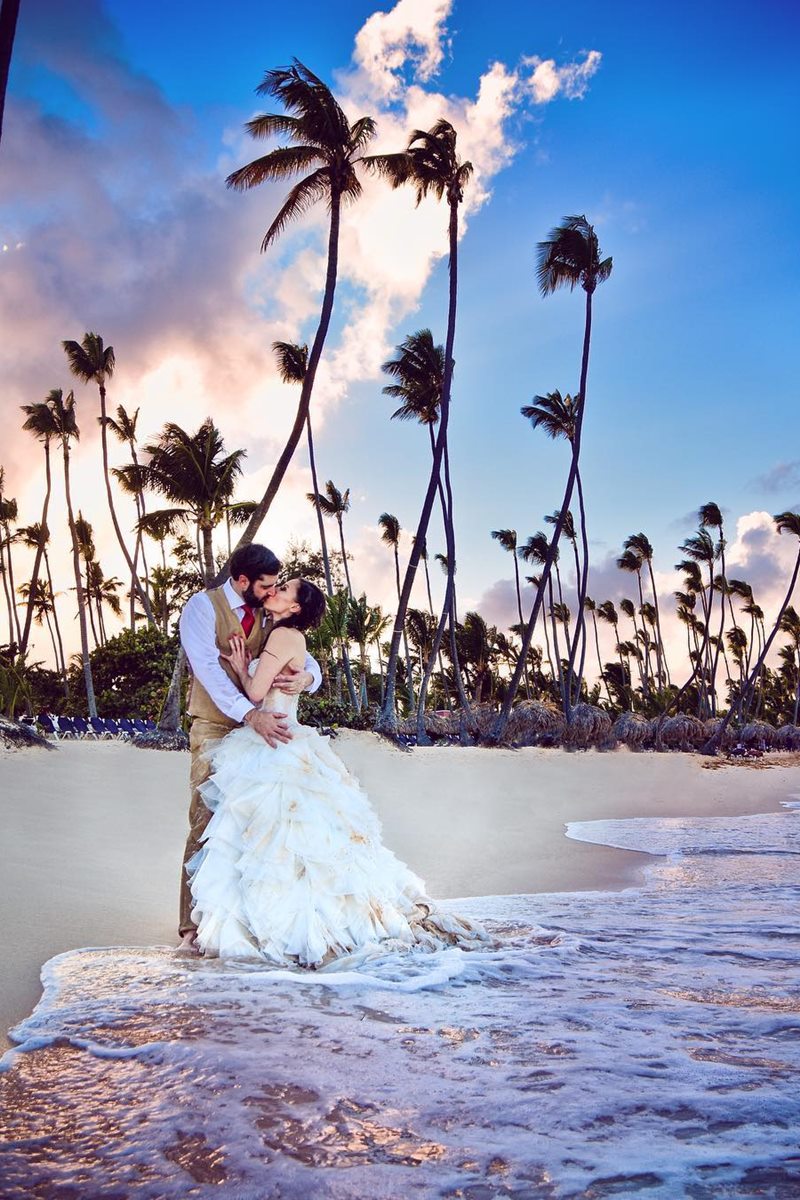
284 647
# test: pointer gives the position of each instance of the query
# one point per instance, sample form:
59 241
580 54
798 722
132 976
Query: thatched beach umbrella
788 737
633 730
589 726
533 723
758 734
683 732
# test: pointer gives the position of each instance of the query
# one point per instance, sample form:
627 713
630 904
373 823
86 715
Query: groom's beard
249 597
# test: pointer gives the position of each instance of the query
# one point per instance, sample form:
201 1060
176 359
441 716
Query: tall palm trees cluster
426 656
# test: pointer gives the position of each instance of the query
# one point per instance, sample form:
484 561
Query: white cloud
547 79
412 33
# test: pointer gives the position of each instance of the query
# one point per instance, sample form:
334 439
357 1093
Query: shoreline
94 831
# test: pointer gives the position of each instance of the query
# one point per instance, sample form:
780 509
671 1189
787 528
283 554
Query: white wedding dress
292 869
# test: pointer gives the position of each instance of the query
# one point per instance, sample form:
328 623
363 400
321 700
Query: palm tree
39 422
790 624
431 165
557 415
592 608
640 545
85 535
701 549
35 537
93 362
607 612
418 374
390 536
65 426
785 522
569 257
194 473
124 429
321 138
508 540
631 561
333 503
536 550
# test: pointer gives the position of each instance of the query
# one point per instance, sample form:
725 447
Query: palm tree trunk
76 563
505 712
12 587
603 679
207 534
170 716
90 609
107 477
340 523
323 541
409 671
62 664
450 538
263 506
9 11
52 637
39 550
521 621
4 573
387 718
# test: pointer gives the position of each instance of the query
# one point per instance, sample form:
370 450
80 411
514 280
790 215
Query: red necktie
248 620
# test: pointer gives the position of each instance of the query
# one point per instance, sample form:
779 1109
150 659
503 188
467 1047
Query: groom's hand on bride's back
270 725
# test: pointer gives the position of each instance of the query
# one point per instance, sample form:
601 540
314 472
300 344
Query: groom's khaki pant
202 734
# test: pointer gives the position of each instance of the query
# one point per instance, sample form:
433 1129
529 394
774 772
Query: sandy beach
94 831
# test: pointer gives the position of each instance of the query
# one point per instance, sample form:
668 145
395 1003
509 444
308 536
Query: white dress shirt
198 630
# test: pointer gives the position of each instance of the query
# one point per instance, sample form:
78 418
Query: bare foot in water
188 943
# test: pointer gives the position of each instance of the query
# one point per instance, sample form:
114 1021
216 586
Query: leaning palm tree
431 165
321 141
65 426
94 362
785 522
568 258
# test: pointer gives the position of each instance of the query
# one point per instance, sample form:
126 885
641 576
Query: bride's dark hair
312 608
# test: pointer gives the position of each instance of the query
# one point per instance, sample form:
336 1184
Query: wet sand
93 832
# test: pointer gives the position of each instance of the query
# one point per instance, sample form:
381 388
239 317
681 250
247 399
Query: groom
216 702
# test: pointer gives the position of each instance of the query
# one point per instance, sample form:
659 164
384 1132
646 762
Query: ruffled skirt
292 868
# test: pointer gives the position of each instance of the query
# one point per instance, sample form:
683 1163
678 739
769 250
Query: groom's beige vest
200 704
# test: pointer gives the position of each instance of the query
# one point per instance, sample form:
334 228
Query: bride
293 869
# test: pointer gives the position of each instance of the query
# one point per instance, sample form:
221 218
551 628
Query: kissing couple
284 861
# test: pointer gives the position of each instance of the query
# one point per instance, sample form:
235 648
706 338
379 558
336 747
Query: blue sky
682 149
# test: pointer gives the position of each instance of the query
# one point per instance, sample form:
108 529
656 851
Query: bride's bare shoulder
286 641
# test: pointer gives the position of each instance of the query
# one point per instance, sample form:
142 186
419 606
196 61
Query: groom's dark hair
254 561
